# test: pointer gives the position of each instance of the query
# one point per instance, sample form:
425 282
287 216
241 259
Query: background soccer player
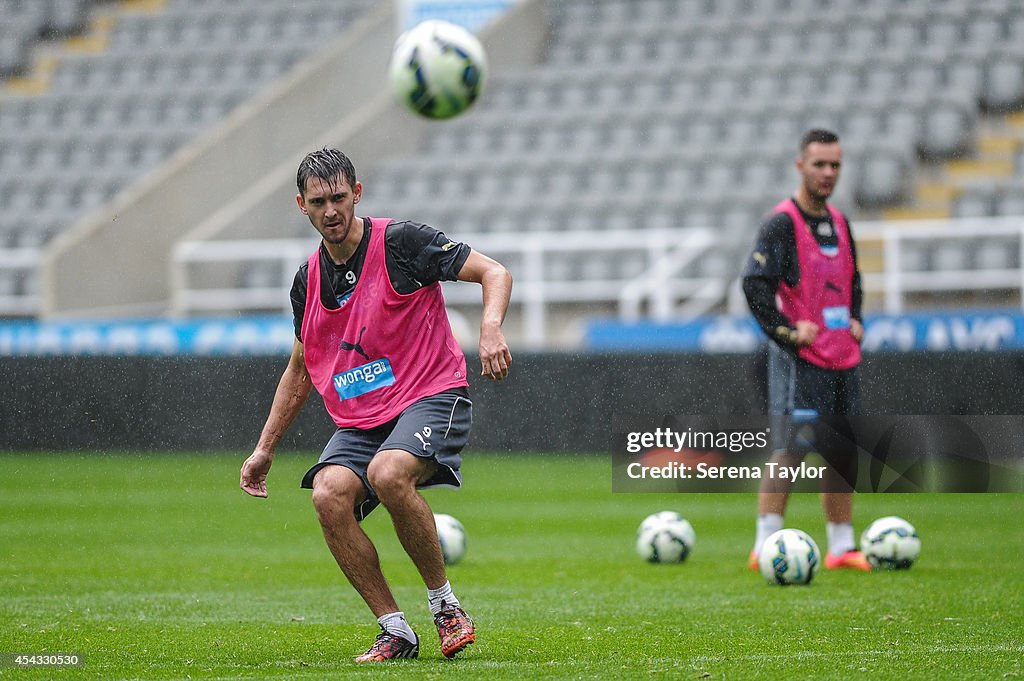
803 287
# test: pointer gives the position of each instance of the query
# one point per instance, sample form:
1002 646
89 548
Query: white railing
187 299
896 280
661 289
664 290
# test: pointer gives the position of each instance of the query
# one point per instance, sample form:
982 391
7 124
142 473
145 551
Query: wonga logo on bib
364 379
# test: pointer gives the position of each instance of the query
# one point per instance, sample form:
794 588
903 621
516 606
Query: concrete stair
997 146
994 160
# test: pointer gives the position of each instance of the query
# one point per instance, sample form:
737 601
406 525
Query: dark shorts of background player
435 427
805 402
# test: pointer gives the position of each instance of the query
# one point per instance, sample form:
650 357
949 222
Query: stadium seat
923 77
984 31
965 74
8 283
190 59
976 201
915 256
997 254
14 49
1015 29
1010 201
942 33
947 128
950 256
1004 81
67 16
682 104
903 123
883 176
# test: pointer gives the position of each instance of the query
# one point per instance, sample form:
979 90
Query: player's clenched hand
856 330
495 357
254 473
806 332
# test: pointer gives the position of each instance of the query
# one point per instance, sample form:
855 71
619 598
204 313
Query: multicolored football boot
455 629
390 646
851 560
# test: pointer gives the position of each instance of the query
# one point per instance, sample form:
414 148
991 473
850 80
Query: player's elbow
501 276
492 275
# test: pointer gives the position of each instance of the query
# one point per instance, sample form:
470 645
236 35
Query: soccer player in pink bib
803 287
373 337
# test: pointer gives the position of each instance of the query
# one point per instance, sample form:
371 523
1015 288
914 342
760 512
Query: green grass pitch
158 567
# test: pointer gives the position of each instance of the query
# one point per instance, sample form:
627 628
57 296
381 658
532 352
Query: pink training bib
381 351
824 293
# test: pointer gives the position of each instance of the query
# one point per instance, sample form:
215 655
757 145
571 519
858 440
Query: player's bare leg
838 507
772 498
394 474
336 491
773 494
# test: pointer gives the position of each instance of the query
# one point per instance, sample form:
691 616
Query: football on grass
665 537
788 557
890 543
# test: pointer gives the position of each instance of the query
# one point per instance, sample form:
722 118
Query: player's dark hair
325 164
819 135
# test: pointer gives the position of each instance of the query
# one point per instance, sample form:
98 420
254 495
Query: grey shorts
806 403
435 427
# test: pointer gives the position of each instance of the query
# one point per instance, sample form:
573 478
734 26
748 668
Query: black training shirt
416 255
775 260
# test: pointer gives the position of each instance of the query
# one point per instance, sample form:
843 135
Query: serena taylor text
706 471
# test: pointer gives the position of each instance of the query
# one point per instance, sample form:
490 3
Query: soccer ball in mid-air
890 543
789 557
665 537
437 69
452 536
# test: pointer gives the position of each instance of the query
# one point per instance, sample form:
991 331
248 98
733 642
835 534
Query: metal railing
187 299
912 263
667 280
661 286
666 287
899 277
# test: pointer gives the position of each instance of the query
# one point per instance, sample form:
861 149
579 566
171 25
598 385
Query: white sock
437 597
767 524
394 623
840 538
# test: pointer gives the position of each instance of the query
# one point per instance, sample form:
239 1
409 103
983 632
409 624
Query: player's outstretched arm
291 394
496 282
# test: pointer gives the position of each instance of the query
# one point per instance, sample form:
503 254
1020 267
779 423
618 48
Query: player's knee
334 488
391 477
